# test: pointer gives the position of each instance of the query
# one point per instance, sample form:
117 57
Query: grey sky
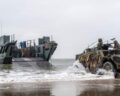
73 23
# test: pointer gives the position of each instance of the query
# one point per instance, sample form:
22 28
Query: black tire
108 66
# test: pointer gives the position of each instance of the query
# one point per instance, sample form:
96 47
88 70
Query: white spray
72 73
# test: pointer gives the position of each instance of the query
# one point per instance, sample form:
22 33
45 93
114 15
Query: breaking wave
73 73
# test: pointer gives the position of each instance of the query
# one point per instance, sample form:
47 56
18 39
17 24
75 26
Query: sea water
63 78
61 70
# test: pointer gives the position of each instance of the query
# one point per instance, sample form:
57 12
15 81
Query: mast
1 29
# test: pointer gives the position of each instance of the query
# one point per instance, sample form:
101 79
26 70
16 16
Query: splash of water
72 73
80 69
77 68
104 72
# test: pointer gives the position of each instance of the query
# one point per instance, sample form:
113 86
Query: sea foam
76 72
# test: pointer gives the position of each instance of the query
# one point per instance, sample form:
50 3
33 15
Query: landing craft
102 55
26 51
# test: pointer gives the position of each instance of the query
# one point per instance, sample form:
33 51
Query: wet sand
66 88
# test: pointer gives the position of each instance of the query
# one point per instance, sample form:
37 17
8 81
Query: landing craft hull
35 61
27 51
6 60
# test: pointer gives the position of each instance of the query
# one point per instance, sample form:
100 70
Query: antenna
51 38
13 37
1 29
92 44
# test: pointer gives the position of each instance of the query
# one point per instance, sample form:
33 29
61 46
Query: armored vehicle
12 51
104 55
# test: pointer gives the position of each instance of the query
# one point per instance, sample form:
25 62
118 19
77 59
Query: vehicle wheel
108 66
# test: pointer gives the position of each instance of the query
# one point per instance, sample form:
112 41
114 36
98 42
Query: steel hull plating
36 61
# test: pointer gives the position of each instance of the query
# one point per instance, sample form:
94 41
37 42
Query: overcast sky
73 23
